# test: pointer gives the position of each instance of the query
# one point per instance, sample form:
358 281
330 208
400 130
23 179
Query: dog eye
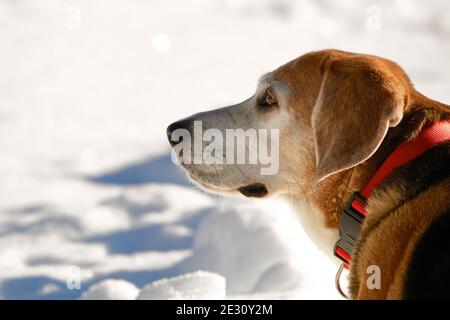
268 100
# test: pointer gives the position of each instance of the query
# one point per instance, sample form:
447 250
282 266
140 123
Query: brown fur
346 113
391 244
361 94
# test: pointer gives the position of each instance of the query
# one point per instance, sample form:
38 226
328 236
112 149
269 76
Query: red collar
354 213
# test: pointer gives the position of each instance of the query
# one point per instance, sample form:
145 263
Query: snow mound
280 277
192 286
244 241
111 289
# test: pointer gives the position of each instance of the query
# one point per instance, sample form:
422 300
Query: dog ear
359 100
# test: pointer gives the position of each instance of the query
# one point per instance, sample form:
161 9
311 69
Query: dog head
320 114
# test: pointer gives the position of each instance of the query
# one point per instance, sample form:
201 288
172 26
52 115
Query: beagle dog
339 117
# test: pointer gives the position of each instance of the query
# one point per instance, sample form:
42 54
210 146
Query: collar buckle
349 229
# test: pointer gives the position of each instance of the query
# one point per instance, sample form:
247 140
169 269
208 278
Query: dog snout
182 124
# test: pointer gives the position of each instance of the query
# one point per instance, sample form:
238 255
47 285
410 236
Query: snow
236 251
283 276
89 194
111 290
198 285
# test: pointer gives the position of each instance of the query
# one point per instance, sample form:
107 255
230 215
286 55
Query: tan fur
305 76
391 245
349 117
343 115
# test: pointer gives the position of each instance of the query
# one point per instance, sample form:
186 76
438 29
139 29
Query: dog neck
321 208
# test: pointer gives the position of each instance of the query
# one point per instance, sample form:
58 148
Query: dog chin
211 187
254 190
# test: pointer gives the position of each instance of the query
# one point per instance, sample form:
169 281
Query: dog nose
182 124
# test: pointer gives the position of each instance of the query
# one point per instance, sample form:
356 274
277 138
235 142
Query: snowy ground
87 188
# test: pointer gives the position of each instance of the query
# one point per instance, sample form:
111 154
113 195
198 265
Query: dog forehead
292 71
301 70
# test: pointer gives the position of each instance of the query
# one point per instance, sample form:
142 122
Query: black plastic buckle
349 227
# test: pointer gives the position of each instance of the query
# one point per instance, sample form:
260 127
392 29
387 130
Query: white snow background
88 194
